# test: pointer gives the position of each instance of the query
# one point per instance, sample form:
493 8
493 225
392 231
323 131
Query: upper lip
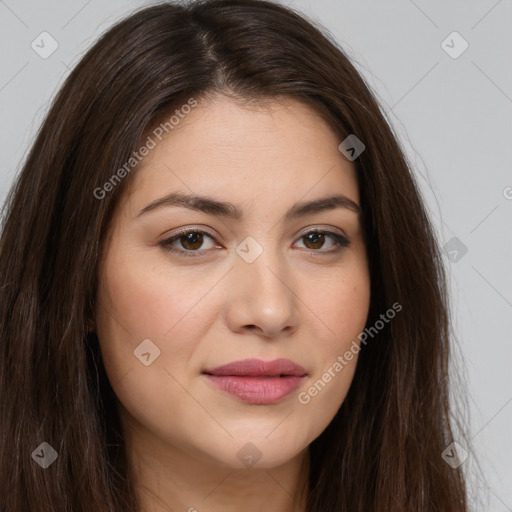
259 368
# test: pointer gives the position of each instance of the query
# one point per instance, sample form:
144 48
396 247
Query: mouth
257 382
259 368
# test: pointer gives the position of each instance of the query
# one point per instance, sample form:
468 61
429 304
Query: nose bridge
263 286
264 265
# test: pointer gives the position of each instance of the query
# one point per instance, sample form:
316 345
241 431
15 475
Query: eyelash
166 244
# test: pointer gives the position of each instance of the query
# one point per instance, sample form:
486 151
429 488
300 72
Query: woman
220 288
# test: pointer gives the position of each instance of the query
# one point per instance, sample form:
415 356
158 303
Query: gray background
452 115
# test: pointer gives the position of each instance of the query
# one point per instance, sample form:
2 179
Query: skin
182 433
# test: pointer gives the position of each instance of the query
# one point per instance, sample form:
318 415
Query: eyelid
189 229
322 229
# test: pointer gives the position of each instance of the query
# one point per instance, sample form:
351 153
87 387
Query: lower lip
257 390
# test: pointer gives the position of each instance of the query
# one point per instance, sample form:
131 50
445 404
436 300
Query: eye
316 239
191 240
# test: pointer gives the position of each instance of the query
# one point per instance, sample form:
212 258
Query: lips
257 382
259 368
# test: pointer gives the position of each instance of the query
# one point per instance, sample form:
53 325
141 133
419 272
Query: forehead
282 148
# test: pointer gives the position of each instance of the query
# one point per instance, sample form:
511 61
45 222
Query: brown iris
192 240
317 240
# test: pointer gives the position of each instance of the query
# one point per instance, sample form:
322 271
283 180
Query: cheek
343 306
137 302
149 300
348 309
321 399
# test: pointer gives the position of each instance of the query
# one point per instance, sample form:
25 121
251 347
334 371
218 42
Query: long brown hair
382 451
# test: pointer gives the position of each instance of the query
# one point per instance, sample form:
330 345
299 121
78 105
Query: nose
262 299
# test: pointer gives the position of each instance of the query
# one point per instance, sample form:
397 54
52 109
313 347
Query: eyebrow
228 210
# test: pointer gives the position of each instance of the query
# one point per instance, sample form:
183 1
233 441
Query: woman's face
248 286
